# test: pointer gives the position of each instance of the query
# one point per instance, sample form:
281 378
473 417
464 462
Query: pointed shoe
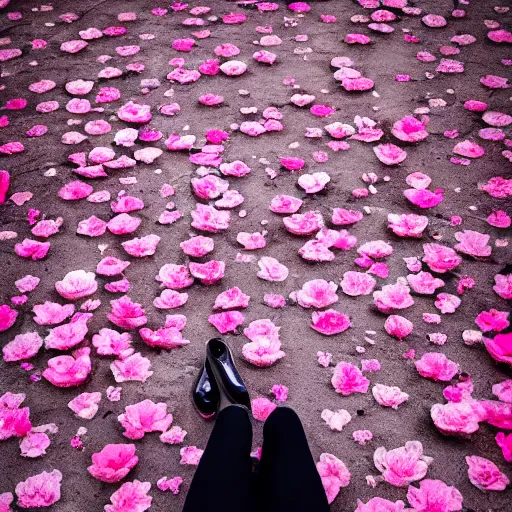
221 368
206 395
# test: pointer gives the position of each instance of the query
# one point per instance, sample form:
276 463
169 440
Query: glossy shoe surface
221 368
206 395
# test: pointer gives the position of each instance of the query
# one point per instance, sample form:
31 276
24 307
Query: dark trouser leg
288 479
223 479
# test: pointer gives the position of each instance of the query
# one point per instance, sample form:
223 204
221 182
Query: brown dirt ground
175 371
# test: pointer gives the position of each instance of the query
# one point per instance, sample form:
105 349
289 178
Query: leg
223 479
288 479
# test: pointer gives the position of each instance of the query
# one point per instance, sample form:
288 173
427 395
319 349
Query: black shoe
221 369
206 395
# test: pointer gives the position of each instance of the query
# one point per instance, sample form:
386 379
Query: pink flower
357 283
5 179
348 379
265 347
460 418
42 490
424 283
409 129
197 246
123 224
133 367
330 322
336 420
376 249
407 225
120 286
301 100
85 405
498 414
209 187
280 392
236 168
251 241
450 66
170 484
68 335
175 435
469 149
264 56
271 269
231 299
170 299
252 128
209 272
6 499
32 249
127 314
141 247
134 113
167 338
485 475
390 154
274 300
503 286
262 408
333 472
211 99
113 462
77 284
380 505
13 420
23 346
316 250
436 366
143 417
403 465
130 497
418 180
339 239
285 204
439 258
393 296
424 198
126 204
505 443
313 183
317 293
111 266
398 326
473 243
183 45
499 219
292 163
324 358
175 277
305 223
500 348
227 321
191 455
109 342
67 371
389 396
321 110
207 218
92 226
434 495
447 303
233 68
503 390
339 130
